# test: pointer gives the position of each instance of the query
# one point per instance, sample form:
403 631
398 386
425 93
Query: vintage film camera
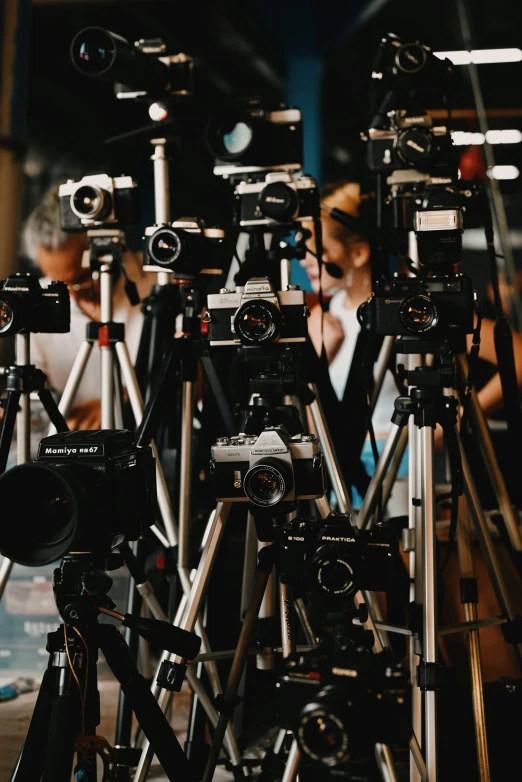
338 707
268 469
255 314
435 193
86 492
276 198
408 65
185 247
26 306
98 201
336 559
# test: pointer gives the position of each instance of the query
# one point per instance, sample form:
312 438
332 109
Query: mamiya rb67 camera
26 306
86 492
277 198
256 314
185 247
268 469
97 201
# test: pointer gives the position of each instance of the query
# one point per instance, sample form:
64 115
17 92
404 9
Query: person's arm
490 396
333 334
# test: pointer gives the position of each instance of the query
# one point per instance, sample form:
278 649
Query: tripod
67 708
23 378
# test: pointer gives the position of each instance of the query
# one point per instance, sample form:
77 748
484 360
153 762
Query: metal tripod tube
381 366
415 572
5 571
305 621
23 419
471 615
106 352
136 400
429 613
332 465
187 415
292 763
161 193
73 381
286 612
370 498
391 475
488 454
265 660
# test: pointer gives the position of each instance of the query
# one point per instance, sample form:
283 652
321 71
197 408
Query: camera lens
257 321
93 51
6 316
278 201
89 201
165 247
229 138
236 140
411 58
414 146
334 574
323 737
418 314
268 482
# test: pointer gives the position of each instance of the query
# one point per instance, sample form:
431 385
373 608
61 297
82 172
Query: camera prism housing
268 469
277 198
412 142
98 201
25 306
86 492
255 314
442 307
184 247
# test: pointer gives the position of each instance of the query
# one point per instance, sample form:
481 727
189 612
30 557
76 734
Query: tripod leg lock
512 631
429 676
171 676
468 590
227 707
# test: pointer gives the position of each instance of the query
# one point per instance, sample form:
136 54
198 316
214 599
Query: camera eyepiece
268 482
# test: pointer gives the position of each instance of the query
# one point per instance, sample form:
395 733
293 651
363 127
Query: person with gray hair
59 256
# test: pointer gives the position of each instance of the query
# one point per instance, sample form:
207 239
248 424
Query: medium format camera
339 707
438 307
98 201
26 306
255 314
86 492
185 247
277 198
337 558
268 469
254 138
412 142
136 70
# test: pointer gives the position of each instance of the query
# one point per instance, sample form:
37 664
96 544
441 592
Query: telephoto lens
109 57
86 492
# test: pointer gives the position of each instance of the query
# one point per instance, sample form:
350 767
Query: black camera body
98 201
26 306
439 307
408 65
185 247
255 138
338 707
276 198
436 193
335 558
255 314
268 469
411 142
86 492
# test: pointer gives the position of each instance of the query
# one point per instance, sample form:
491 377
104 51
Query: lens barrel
109 57
257 322
268 482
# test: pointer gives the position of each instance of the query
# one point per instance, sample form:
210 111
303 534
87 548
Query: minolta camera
26 306
185 247
335 558
436 307
268 469
86 492
97 201
411 142
255 314
277 198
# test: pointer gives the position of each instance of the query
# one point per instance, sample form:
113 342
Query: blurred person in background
59 256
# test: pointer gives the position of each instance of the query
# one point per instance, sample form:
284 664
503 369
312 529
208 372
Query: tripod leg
469 598
51 408
292 763
240 658
23 419
7 426
5 572
146 709
30 761
73 381
415 571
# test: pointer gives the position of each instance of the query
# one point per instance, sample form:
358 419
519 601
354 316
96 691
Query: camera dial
418 313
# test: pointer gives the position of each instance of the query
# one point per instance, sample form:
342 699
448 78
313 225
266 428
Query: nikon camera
97 201
86 492
26 306
185 247
268 469
277 198
256 314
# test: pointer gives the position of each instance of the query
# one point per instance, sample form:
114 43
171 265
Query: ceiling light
503 172
504 136
481 56
465 138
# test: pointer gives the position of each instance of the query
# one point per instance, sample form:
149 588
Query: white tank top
340 366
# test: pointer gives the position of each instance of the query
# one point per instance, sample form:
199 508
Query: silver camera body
98 200
268 469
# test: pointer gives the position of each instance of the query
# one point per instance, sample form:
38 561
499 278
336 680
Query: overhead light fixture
503 172
481 56
466 138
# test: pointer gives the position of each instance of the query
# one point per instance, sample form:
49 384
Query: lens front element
418 314
89 202
93 51
6 316
236 140
268 482
257 322
165 247
323 737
